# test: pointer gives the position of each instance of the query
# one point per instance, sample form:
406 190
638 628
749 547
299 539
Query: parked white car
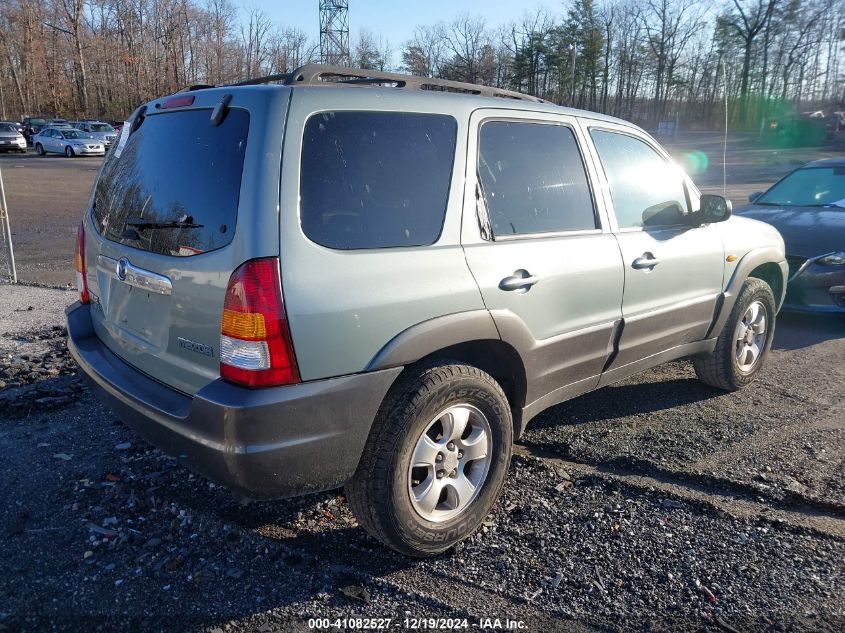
11 140
70 142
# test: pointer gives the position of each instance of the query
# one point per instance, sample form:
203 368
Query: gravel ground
654 504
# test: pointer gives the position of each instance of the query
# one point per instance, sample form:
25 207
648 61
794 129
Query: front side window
375 179
533 179
647 190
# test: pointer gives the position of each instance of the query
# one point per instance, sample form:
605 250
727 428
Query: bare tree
464 39
424 54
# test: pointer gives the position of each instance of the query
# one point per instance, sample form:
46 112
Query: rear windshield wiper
140 223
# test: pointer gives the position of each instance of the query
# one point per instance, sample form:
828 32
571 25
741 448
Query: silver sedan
69 142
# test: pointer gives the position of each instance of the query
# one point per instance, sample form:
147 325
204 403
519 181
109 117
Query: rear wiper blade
140 223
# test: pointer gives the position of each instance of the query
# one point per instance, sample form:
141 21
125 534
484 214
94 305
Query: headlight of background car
833 259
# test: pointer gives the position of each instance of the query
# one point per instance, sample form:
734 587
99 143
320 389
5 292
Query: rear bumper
263 443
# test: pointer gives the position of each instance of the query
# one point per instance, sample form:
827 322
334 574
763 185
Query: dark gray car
807 207
345 284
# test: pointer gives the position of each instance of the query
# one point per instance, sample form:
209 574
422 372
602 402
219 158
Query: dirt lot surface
657 503
47 195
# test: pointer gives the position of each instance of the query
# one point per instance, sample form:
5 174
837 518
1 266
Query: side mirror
753 196
714 208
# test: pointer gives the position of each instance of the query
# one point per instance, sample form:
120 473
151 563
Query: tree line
646 61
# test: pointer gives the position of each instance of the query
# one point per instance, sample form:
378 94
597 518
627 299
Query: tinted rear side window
375 179
534 179
174 189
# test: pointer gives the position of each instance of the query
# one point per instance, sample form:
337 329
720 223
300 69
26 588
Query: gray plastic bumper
261 443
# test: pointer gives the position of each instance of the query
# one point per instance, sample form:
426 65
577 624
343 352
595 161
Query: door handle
520 280
646 261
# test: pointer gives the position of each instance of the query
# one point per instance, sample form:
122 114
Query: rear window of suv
174 188
376 179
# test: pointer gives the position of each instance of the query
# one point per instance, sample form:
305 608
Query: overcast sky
394 19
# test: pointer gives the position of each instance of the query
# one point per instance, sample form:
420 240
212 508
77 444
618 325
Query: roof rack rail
195 87
317 74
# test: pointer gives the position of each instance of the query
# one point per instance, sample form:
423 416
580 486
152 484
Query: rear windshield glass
174 188
376 179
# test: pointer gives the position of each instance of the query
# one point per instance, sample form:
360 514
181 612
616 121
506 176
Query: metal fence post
7 252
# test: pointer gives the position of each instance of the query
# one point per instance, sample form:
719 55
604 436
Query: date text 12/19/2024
416 624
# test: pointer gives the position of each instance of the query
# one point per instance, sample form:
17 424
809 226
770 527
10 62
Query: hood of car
806 231
9 135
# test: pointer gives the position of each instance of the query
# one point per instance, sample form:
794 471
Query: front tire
744 342
69 152
436 459
39 149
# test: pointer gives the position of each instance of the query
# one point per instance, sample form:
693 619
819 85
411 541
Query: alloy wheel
450 463
751 336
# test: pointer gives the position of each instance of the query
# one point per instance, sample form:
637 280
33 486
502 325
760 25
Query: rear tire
39 149
744 342
69 152
436 459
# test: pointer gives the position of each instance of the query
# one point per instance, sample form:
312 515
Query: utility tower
334 32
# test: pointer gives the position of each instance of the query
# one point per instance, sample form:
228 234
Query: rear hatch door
178 205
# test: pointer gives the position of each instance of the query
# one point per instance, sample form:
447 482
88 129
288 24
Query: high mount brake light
256 349
178 102
81 266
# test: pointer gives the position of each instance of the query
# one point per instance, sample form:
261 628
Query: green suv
361 279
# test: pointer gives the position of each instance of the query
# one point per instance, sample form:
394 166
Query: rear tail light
81 266
256 349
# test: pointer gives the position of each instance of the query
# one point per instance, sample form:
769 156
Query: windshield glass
808 187
5 127
71 134
101 127
37 121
